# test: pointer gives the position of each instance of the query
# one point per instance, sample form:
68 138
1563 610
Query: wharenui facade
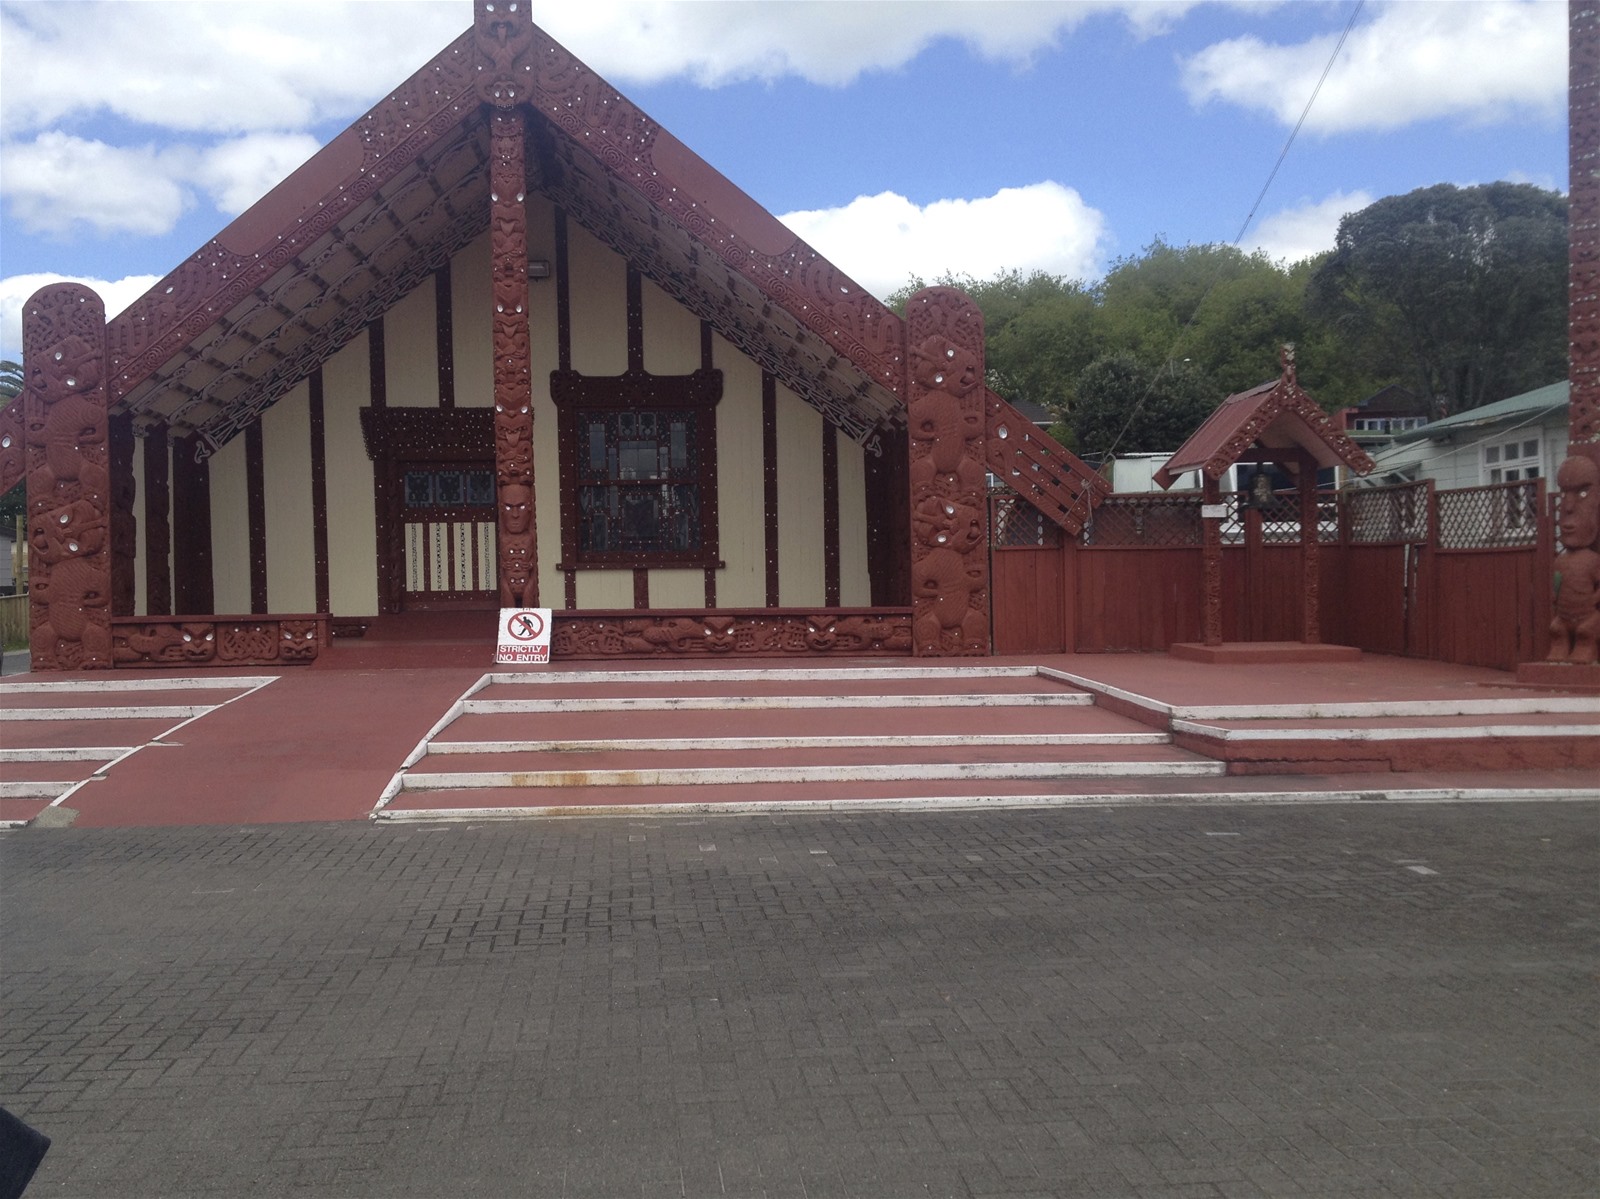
507 342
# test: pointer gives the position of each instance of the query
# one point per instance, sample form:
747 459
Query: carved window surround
585 400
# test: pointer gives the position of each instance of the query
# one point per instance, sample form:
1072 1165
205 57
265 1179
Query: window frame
578 396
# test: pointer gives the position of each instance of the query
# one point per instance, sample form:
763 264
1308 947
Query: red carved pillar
1575 619
1211 562
1310 554
68 459
503 44
948 475
124 524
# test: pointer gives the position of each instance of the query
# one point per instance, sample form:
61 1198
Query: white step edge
733 703
183 683
753 743
164 712
1421 733
1396 795
67 753
732 775
774 674
1542 706
42 789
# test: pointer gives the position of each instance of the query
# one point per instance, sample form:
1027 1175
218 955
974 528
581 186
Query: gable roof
1529 406
1276 415
389 200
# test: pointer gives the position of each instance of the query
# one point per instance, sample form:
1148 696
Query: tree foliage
1459 292
1126 405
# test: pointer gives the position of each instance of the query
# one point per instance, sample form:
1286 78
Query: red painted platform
326 743
1249 653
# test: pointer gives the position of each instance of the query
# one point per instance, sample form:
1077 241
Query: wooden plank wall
1473 607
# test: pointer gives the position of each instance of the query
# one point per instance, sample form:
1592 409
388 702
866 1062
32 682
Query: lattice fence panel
1145 520
1498 516
1387 515
1014 523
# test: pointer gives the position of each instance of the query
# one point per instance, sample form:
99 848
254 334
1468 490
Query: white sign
524 636
1213 511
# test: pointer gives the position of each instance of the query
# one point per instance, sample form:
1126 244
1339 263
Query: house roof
1276 416
389 200
1530 405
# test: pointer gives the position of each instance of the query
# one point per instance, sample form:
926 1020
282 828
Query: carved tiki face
1579 481
516 507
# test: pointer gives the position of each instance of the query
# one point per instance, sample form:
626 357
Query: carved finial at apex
1286 360
503 39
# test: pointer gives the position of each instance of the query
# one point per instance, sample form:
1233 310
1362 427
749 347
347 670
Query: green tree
1461 292
1127 406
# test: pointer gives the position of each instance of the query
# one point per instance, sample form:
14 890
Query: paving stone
1094 1002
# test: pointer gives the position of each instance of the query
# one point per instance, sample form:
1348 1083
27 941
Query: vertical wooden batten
157 518
255 482
769 480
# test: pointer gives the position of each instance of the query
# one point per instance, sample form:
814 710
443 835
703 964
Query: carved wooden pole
1310 554
949 475
68 460
1211 560
503 42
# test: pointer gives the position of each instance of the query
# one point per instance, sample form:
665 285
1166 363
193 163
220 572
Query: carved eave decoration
1278 418
370 216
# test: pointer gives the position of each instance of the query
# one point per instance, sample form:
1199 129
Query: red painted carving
188 641
1575 625
12 434
946 405
502 37
1034 465
124 524
1583 221
513 379
67 458
759 633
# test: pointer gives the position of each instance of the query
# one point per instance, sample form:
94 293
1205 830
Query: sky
900 138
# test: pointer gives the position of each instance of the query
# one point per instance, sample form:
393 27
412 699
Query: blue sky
898 136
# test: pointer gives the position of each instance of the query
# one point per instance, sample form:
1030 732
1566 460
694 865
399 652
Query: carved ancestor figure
1575 629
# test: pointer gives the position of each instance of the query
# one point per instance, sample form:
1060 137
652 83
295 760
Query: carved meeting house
507 342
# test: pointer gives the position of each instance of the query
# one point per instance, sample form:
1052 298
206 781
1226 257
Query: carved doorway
447 535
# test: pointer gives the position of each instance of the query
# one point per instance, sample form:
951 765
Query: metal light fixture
538 268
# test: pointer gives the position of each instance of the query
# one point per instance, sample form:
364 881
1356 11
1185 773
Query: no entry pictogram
525 626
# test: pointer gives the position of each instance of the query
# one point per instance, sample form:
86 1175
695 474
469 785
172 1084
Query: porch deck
413 721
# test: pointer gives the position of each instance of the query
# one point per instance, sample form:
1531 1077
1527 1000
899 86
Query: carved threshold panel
755 632
187 642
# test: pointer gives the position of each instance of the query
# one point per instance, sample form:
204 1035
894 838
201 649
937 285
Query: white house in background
1523 437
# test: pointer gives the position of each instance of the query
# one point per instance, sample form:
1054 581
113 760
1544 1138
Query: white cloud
15 290
882 240
239 172
1482 60
827 43
213 67
58 182
1292 234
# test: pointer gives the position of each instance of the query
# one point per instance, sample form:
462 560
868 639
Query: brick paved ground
1325 1001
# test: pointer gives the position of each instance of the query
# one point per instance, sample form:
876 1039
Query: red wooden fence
1458 576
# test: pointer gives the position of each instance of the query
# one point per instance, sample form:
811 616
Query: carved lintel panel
948 474
760 633
196 641
68 461
513 380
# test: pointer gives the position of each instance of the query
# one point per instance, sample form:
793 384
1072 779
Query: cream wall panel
542 352
741 498
671 333
678 589
352 522
800 562
855 585
141 560
471 325
603 589
599 298
291 553
411 350
230 530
